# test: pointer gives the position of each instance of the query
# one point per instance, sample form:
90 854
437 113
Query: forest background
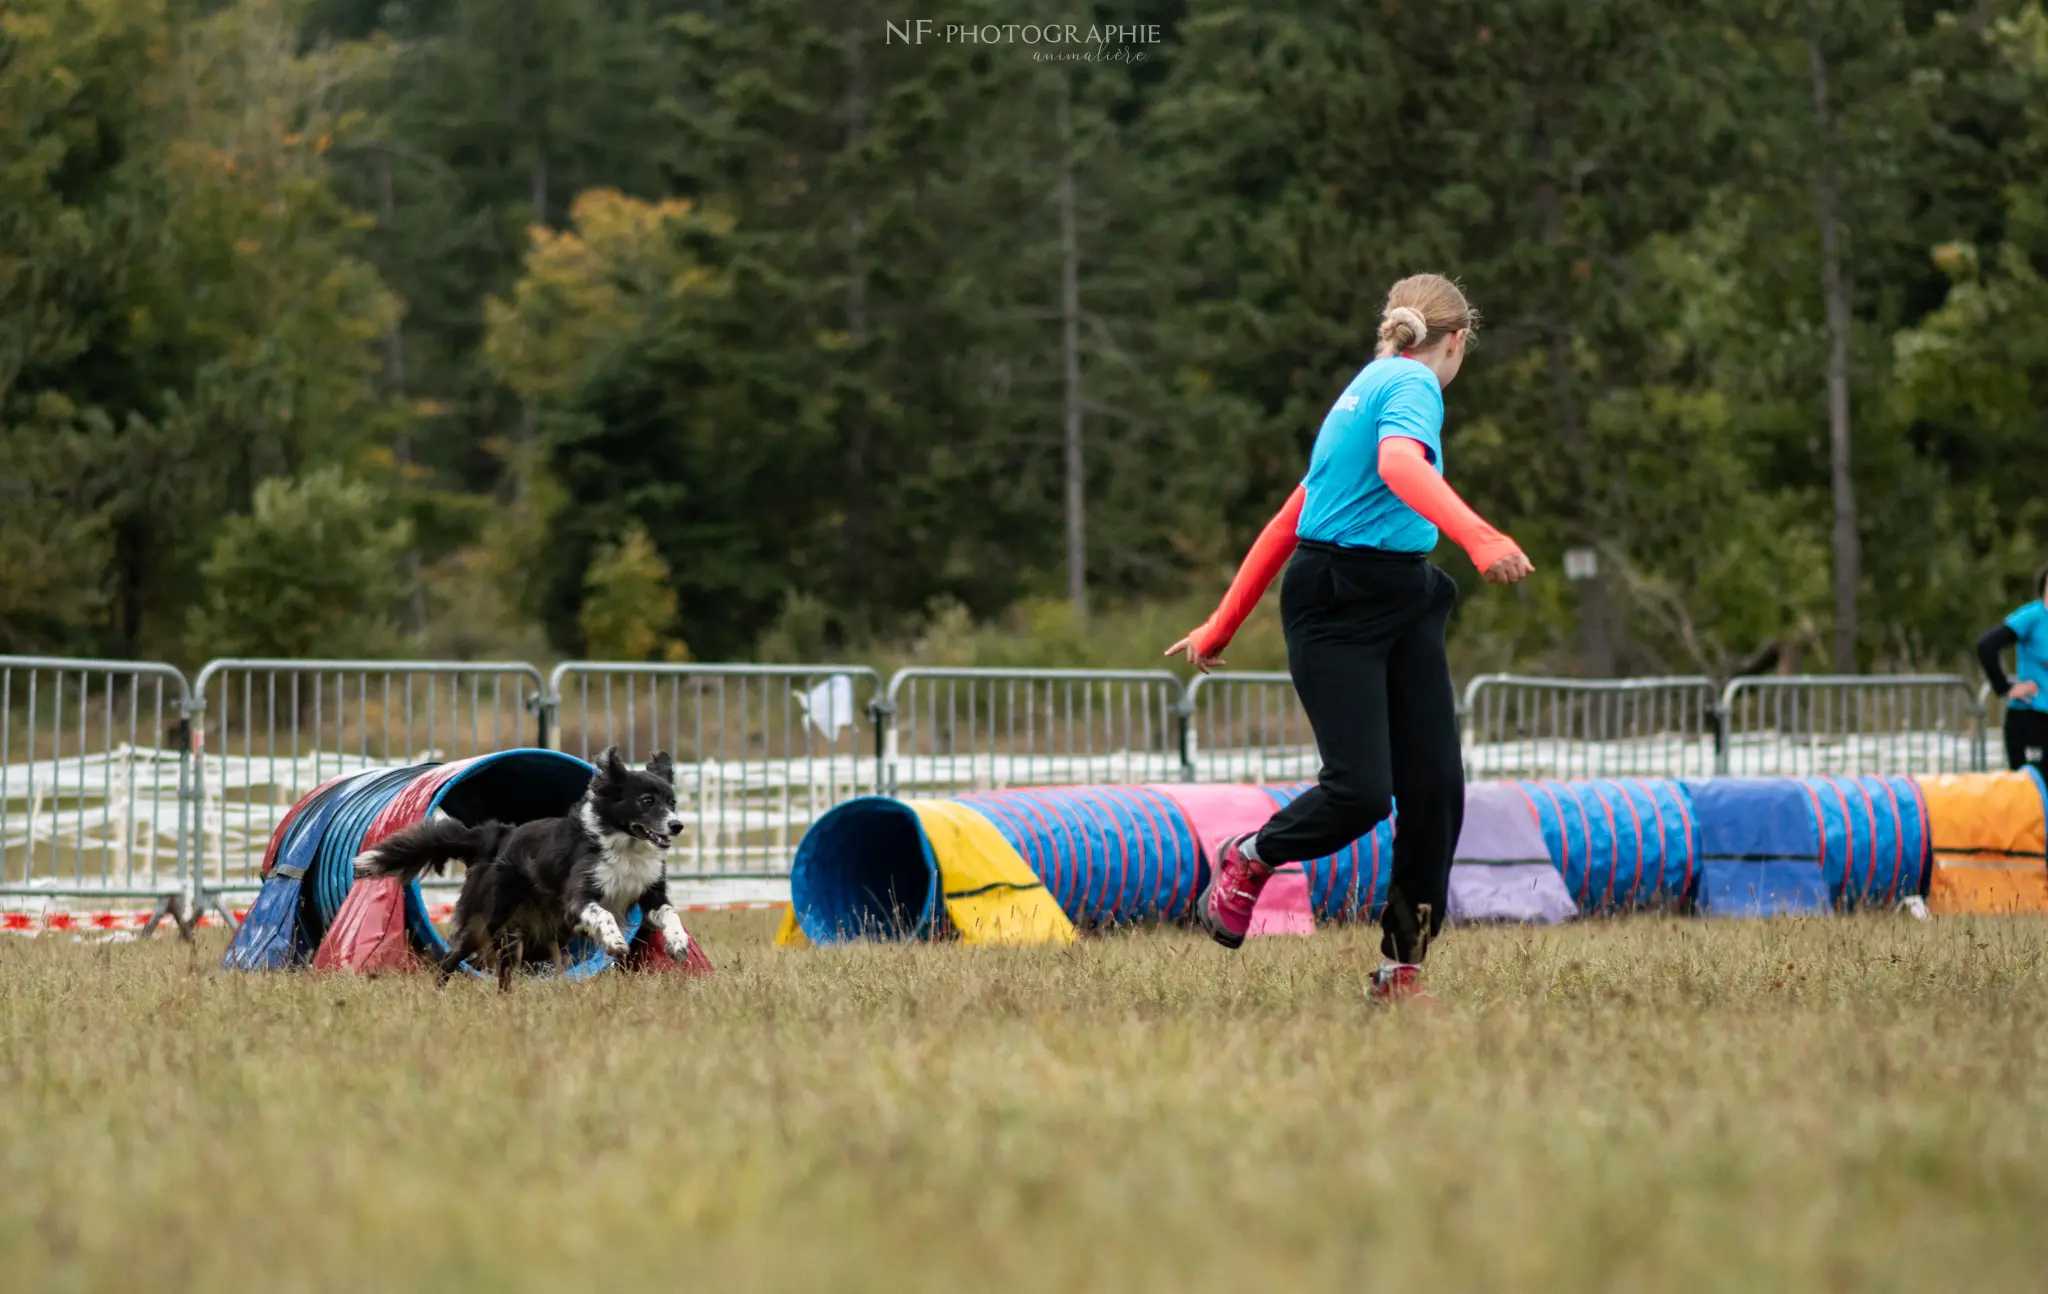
677 329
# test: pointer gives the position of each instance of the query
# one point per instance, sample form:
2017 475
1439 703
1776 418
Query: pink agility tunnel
1217 813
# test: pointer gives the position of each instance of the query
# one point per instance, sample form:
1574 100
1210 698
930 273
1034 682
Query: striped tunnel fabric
1873 835
274 935
347 833
1351 884
1621 844
1110 855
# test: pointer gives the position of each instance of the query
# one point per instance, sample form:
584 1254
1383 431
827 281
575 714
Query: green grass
1833 1105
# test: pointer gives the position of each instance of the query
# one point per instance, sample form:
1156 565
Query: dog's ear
610 768
663 766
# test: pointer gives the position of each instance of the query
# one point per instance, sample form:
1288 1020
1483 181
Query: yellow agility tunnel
1990 842
1036 864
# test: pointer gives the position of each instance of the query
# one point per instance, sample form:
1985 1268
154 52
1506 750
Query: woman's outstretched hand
1194 654
1512 569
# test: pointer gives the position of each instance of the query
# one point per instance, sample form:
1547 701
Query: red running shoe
1234 884
1394 984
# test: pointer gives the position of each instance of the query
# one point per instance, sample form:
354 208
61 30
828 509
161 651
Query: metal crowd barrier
1517 727
1247 727
120 781
760 750
93 781
952 730
1801 725
272 730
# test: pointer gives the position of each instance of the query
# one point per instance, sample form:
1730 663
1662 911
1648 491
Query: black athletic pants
1365 644
2026 737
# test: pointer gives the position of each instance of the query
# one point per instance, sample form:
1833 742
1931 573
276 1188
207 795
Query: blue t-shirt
1348 503
2030 622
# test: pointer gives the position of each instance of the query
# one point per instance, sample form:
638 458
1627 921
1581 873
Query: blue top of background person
2027 630
1348 502
2029 625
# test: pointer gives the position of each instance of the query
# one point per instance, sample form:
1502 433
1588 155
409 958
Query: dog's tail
431 846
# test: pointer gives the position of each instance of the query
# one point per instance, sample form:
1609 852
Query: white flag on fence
829 705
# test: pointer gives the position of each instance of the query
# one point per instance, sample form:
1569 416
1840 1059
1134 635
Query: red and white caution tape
35 923
52 921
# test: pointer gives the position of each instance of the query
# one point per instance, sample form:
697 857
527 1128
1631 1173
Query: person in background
2026 709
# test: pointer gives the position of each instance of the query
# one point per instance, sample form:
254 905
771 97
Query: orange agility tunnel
1990 849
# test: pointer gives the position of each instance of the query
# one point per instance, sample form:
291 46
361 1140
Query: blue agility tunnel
333 873
1774 845
1622 845
1105 855
1110 855
866 870
1873 836
1760 848
1351 884
283 927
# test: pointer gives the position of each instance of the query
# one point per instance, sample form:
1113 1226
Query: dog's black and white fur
530 889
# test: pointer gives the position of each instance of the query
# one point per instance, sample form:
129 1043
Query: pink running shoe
1395 984
1234 884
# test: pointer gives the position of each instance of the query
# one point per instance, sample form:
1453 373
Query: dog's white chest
626 864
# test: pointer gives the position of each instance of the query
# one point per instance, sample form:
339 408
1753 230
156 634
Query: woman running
2026 710
1364 612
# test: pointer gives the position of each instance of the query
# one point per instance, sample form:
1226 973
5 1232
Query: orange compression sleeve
1269 553
1404 466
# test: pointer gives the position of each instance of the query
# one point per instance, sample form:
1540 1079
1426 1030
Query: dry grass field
1634 1106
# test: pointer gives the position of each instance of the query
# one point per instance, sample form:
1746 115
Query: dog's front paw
674 938
599 925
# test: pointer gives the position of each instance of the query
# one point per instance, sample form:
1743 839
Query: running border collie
530 889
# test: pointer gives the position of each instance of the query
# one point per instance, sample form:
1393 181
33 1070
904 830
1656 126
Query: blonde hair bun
1419 306
1404 328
